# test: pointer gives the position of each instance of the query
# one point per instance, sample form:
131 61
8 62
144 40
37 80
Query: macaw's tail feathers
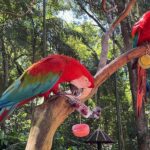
3 114
6 108
6 111
141 88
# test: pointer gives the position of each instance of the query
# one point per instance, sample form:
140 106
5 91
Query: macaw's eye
86 80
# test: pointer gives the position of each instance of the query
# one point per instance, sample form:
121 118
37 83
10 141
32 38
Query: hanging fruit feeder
81 130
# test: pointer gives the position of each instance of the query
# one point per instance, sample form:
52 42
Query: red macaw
42 78
141 34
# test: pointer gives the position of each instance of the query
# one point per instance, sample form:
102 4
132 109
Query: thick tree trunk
1 83
1 78
5 64
33 40
50 115
4 84
118 113
44 29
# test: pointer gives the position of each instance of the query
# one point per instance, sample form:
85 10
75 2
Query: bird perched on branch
141 35
44 77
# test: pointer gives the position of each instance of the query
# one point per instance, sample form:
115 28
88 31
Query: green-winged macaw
44 77
141 35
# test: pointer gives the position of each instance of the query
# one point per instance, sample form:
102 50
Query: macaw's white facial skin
81 82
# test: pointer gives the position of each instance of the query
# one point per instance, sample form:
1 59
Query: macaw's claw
82 108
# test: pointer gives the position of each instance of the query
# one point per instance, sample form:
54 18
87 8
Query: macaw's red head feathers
142 27
77 74
84 78
66 68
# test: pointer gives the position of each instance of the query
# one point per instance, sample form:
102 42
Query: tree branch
91 16
106 36
50 115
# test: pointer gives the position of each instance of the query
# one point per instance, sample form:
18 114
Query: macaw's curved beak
74 90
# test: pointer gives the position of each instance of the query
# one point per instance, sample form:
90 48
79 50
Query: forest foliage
70 30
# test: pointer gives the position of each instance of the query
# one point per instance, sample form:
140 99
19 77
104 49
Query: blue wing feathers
21 90
135 40
16 93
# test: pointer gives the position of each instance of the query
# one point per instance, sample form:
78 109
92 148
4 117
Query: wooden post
47 118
